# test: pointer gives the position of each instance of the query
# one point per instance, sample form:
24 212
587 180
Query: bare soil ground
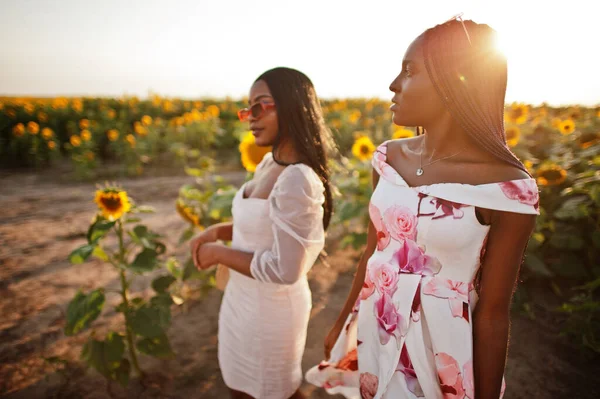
44 216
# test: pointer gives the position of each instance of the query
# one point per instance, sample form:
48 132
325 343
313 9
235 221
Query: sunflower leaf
190 271
99 253
121 374
145 261
105 356
81 254
173 267
187 234
162 283
194 172
114 347
157 347
150 320
98 229
83 310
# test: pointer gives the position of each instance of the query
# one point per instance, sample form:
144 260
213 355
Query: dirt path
41 221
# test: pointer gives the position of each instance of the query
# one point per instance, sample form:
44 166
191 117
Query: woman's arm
508 237
357 283
224 231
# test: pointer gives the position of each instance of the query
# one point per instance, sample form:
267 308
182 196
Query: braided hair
470 76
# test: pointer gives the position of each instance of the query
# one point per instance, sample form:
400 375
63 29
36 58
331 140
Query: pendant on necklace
420 171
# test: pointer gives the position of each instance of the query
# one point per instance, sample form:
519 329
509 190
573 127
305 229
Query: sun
501 44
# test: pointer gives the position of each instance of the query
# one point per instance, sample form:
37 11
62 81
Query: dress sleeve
296 211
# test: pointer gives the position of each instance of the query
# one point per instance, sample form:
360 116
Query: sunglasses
257 111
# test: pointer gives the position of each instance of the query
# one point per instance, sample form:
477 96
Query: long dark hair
470 76
301 121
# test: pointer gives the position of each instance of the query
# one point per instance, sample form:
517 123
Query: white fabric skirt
262 334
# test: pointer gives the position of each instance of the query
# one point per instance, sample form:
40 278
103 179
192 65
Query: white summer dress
263 321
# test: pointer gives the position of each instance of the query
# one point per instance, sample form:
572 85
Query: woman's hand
206 255
207 236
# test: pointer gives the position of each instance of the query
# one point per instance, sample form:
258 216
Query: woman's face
263 120
415 101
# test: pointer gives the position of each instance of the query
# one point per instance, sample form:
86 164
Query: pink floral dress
411 329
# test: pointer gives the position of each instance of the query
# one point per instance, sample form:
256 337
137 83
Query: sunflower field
129 136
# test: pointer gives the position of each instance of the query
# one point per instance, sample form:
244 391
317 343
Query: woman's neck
286 154
444 138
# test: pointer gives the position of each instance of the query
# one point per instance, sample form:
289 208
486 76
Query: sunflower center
112 202
364 149
551 175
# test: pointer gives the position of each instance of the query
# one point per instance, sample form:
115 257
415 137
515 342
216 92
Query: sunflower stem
124 286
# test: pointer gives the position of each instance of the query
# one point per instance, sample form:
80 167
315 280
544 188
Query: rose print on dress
401 223
448 208
468 383
369 384
383 235
406 367
367 289
390 322
384 276
450 377
411 258
524 191
457 293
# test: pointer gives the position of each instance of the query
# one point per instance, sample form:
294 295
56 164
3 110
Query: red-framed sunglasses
257 110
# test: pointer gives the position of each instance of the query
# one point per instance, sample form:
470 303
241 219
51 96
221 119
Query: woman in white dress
277 233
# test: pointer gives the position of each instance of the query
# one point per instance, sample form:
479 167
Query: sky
217 48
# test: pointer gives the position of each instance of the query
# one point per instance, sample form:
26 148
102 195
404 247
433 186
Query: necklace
420 170
282 163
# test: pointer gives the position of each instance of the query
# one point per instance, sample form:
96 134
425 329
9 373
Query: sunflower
43 117
18 130
86 135
139 129
89 155
84 124
130 138
551 175
354 116
566 127
213 110
402 133
363 148
146 120
517 114
556 122
51 145
77 105
528 165
187 213
588 139
75 141
33 128
113 134
112 202
111 113
251 153
513 134
47 133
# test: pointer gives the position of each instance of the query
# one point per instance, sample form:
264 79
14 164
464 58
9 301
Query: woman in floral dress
451 214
